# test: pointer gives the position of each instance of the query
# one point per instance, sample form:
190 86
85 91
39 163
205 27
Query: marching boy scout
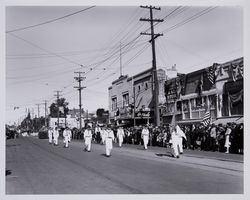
50 134
87 138
109 138
55 136
120 135
66 135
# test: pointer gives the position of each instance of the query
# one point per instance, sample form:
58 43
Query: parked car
43 133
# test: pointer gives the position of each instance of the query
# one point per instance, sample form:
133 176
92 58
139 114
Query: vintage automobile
43 133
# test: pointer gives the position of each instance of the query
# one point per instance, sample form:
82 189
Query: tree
102 115
62 106
99 112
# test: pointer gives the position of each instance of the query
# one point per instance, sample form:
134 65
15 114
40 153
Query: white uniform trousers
55 140
175 148
88 143
108 146
66 141
180 144
120 139
145 141
50 139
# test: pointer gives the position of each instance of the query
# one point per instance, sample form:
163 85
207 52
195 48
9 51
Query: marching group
224 138
107 138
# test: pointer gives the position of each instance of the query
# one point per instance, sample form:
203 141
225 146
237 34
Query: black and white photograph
124 99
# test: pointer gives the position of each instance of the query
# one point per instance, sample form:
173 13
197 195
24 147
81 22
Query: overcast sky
42 59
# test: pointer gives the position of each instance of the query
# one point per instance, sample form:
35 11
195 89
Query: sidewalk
192 153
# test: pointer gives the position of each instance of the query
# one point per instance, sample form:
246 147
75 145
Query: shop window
178 105
114 103
185 106
125 100
198 102
212 101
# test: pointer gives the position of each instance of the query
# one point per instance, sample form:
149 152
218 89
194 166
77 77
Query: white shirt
87 133
120 132
145 132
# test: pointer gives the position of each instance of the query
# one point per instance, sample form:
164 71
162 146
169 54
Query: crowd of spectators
223 138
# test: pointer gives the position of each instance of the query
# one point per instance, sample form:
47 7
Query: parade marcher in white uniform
56 135
181 135
145 136
70 134
50 134
175 142
66 134
109 138
87 138
120 135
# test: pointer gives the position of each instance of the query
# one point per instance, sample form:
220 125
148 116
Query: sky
43 59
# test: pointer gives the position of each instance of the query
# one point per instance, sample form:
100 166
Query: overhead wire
49 21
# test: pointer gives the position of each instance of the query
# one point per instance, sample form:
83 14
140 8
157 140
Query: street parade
131 99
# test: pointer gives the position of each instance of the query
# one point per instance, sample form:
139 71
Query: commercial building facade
218 88
130 98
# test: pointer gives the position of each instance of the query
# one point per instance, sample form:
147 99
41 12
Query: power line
50 52
192 18
50 21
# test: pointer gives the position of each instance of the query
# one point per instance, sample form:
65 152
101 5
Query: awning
236 120
190 121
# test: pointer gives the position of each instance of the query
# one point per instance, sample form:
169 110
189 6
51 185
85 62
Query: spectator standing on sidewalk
213 138
227 137
221 137
145 136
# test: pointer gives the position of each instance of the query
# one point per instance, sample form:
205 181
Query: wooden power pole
79 79
154 69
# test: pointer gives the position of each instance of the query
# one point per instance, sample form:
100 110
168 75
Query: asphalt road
35 167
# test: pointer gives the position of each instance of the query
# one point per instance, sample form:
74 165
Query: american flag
233 69
206 119
240 68
211 73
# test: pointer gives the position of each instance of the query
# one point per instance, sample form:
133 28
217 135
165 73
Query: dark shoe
177 156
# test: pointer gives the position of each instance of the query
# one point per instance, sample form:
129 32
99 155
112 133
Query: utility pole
154 69
57 102
79 79
45 112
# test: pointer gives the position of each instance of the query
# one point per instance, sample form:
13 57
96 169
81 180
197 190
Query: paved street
35 167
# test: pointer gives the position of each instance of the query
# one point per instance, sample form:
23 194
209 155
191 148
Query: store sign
144 114
171 93
125 112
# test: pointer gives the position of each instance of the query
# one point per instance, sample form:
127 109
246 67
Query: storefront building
130 98
218 88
